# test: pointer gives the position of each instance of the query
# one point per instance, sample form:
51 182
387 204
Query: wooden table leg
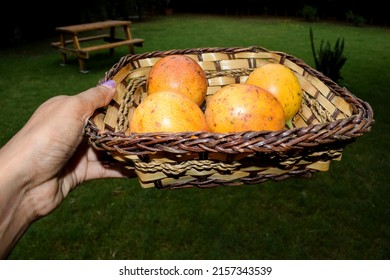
127 31
76 45
83 66
64 59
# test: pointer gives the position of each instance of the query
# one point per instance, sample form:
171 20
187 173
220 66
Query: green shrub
355 19
329 61
309 13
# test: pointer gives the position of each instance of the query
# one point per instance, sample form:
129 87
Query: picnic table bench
72 36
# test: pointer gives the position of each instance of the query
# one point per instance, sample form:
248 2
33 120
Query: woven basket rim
299 138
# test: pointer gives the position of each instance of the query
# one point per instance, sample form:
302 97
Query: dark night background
27 20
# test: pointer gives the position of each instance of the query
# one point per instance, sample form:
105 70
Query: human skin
47 159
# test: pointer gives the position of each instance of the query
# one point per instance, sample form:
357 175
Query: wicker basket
329 119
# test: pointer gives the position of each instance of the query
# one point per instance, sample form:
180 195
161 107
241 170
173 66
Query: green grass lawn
340 214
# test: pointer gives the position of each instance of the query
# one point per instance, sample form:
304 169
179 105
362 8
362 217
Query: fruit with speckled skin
178 73
282 83
243 107
167 111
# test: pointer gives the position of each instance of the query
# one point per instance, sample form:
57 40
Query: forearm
15 212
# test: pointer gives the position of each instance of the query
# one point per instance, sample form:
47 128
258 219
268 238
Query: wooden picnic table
72 36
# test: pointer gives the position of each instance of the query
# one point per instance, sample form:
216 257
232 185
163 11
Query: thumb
99 96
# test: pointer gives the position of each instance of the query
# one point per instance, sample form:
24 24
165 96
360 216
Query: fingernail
109 84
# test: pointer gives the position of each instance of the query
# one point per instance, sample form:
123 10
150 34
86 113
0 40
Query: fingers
101 165
101 170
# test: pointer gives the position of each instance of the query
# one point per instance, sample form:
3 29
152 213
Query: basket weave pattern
329 119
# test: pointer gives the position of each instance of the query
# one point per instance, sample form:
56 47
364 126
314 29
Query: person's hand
47 158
